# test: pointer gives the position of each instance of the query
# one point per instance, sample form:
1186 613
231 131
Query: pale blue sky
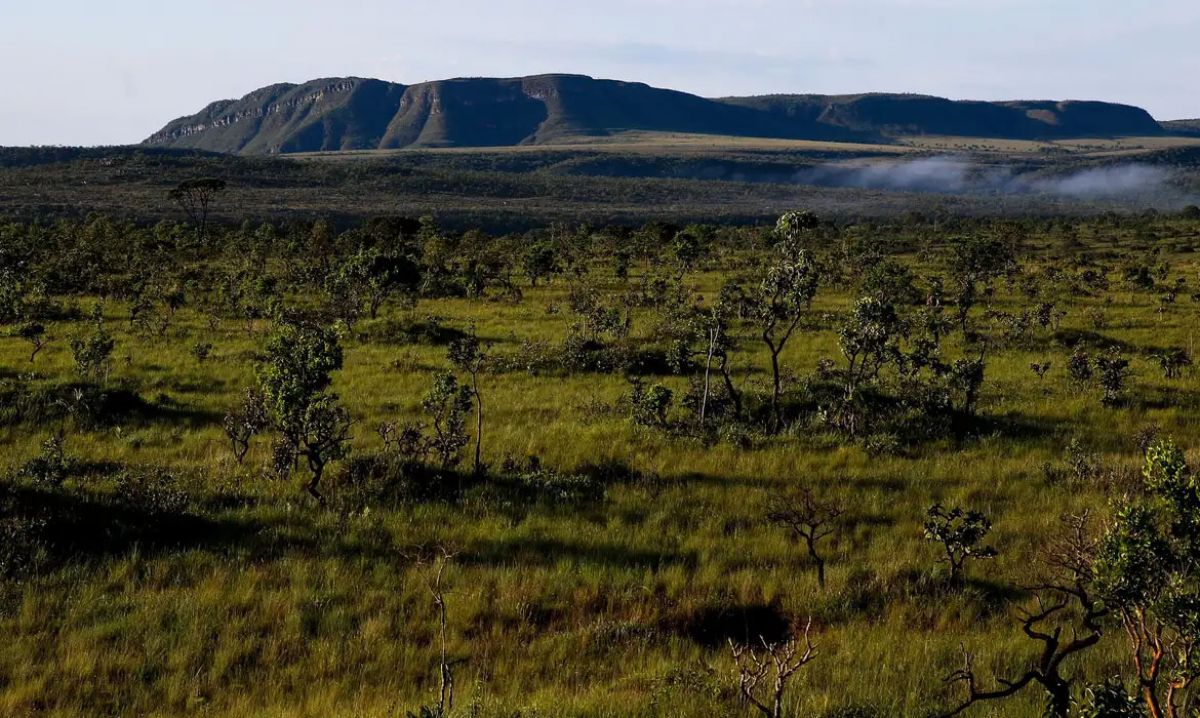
113 71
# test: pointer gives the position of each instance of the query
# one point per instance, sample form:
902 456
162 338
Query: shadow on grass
1162 397
715 625
71 526
867 594
1024 428
1088 339
546 552
95 406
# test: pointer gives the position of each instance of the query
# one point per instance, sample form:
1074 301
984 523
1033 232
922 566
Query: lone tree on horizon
195 196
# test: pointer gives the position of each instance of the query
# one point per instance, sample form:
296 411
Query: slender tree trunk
729 387
478 424
776 412
311 486
820 563
713 335
446 687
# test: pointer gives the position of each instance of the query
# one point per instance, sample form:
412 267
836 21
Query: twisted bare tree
763 673
810 518
1064 620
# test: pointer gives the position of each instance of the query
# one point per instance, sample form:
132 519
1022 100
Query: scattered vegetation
670 460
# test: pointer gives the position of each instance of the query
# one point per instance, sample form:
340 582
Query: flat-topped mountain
903 115
358 114
1183 128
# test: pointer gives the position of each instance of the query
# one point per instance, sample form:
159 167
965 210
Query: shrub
20 544
1079 366
448 404
242 422
649 405
93 352
153 490
200 351
1112 370
51 467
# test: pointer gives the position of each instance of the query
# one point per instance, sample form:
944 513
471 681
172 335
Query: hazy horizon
78 75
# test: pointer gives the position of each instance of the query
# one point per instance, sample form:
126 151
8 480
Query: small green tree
244 421
1173 361
368 277
975 261
540 261
870 340
1112 370
960 533
1146 572
1079 366
35 334
649 404
469 356
784 295
93 352
295 376
448 404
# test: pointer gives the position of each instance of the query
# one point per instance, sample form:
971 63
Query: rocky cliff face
356 113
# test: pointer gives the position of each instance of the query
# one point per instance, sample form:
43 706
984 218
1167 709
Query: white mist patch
956 175
1104 182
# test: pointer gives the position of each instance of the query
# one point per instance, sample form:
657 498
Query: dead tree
811 519
1065 598
438 559
763 673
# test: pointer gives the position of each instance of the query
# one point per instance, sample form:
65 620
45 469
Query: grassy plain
274 606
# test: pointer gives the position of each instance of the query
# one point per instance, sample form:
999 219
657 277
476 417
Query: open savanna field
615 540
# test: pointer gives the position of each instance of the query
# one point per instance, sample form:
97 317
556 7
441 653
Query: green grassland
254 600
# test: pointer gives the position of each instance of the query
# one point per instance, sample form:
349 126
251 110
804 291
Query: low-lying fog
954 175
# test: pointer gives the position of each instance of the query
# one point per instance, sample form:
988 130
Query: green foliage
12 297
35 334
201 351
294 375
960 533
92 352
244 421
1079 366
1173 361
1109 700
51 467
892 282
870 339
448 404
1112 371
296 368
1145 571
585 580
649 404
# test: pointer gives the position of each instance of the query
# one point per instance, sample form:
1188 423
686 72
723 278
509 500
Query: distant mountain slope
906 115
355 114
330 114
1184 128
